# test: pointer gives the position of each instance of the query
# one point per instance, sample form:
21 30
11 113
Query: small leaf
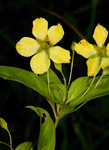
58 67
3 124
25 146
77 88
47 129
80 85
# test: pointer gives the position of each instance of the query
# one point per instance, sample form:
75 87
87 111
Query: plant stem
71 68
53 107
99 80
56 122
5 144
10 139
63 19
64 79
48 80
89 87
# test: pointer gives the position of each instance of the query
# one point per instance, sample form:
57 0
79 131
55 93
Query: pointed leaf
47 129
25 146
37 83
80 85
27 78
3 124
58 67
101 90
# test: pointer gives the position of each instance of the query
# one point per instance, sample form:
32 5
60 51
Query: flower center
44 45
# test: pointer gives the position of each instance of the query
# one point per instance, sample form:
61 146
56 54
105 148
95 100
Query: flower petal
107 49
100 35
105 62
40 28
93 65
40 63
55 34
27 46
84 48
59 54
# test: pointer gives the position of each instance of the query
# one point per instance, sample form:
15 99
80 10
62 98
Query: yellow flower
43 47
98 55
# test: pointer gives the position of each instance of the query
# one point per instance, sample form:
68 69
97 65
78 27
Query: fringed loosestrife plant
63 98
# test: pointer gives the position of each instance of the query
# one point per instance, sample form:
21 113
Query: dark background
87 129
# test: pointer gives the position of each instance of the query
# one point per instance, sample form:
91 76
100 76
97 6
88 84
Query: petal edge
84 48
93 65
100 35
40 63
27 46
59 54
55 34
40 28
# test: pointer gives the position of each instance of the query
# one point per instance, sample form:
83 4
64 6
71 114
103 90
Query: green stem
10 138
89 87
53 107
65 83
92 81
48 80
80 99
5 144
71 68
58 115
99 80
80 106
57 121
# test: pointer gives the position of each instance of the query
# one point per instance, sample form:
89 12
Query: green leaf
3 124
58 67
25 146
57 89
77 88
80 85
52 77
101 90
37 83
25 77
58 92
47 129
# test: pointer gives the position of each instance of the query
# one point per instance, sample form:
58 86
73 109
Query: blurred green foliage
88 128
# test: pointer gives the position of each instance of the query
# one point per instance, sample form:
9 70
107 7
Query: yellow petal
27 46
40 28
105 62
55 34
40 63
93 65
59 54
84 48
107 49
100 35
